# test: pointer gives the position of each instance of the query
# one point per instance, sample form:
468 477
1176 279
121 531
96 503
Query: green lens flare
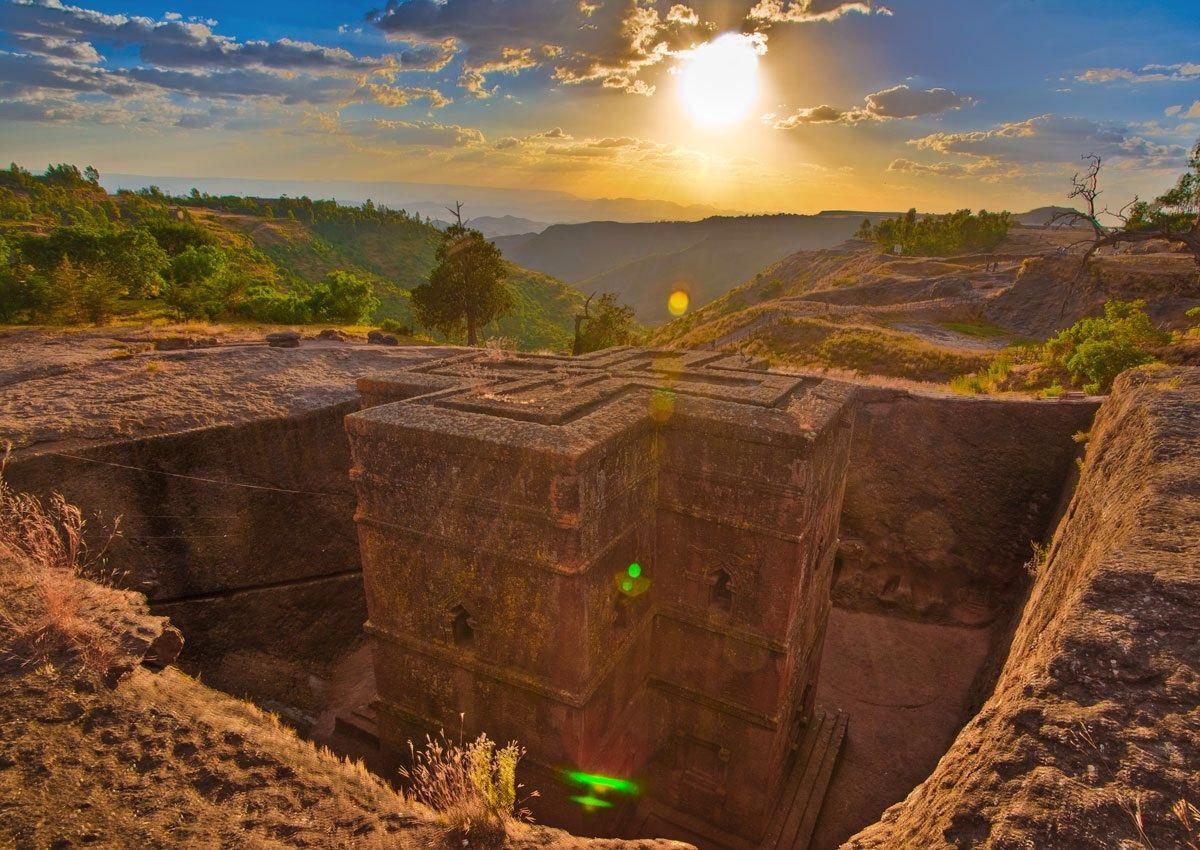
592 802
597 780
635 570
627 585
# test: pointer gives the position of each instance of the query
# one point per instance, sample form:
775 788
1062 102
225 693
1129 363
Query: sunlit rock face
622 561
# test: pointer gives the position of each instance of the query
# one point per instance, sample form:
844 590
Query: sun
718 81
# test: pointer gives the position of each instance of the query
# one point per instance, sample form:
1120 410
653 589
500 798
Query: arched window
722 595
462 627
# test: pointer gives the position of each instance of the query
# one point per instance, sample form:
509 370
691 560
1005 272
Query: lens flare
718 81
635 570
677 302
662 404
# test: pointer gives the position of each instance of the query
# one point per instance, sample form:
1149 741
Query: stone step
795 816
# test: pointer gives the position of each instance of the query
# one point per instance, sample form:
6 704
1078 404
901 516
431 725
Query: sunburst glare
718 81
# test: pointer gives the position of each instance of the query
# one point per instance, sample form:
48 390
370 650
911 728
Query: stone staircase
803 794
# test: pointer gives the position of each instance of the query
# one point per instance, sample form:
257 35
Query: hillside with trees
72 253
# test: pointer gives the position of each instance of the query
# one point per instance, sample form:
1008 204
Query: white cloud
1181 71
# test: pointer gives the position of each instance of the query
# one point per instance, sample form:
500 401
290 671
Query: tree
197 284
344 297
1174 215
467 286
611 323
14 293
130 257
865 232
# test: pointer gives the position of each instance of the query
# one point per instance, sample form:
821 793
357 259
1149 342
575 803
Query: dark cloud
246 83
887 105
62 48
174 43
25 75
609 43
904 102
1051 138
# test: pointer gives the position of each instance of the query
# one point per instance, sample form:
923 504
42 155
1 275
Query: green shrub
392 326
343 297
1095 350
272 306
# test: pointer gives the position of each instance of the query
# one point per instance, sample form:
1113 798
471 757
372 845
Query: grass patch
42 550
471 788
976 330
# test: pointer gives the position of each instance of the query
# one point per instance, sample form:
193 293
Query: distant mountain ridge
431 199
506 225
644 262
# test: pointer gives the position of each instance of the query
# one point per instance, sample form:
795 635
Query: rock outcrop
1090 737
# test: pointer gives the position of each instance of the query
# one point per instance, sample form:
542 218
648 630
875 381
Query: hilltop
853 307
269 250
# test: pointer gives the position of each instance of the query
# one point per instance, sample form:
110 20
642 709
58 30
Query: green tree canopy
344 297
939 235
130 257
467 286
606 324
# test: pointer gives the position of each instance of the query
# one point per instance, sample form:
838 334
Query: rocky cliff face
1090 737
945 495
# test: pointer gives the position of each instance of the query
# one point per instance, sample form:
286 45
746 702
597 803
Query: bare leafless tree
1086 186
580 318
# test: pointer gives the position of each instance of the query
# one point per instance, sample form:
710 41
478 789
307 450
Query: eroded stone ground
905 685
111 384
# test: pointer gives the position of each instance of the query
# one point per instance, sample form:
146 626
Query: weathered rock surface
161 760
944 496
1092 733
284 339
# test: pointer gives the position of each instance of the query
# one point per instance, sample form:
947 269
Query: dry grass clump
1187 816
42 550
472 788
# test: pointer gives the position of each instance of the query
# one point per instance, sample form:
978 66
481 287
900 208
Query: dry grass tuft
471 788
42 546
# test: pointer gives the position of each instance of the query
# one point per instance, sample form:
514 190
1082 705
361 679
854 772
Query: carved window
461 627
703 764
721 595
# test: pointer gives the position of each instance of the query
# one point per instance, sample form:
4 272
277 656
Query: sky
817 104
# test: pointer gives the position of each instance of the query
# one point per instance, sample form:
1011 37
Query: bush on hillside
273 306
1095 350
343 297
607 324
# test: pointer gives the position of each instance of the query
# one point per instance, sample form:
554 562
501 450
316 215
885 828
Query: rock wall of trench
945 495
1090 736
242 534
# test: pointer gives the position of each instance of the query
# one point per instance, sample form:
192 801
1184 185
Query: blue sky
933 103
